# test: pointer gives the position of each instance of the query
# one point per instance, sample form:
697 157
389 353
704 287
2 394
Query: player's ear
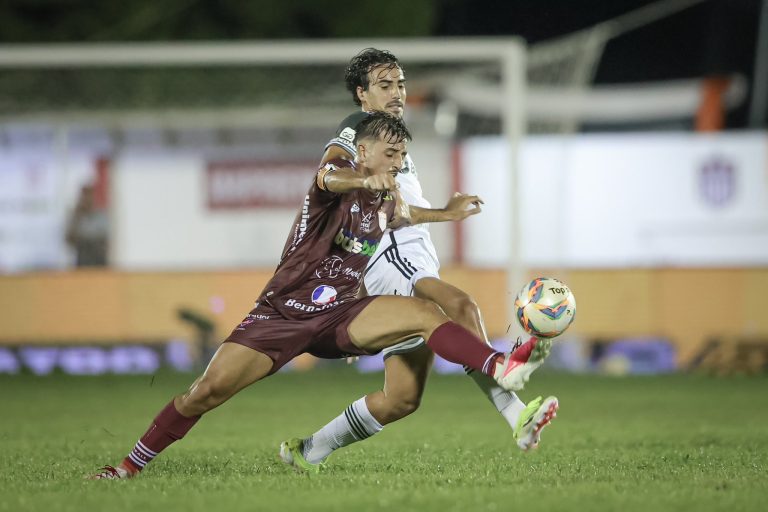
360 93
362 152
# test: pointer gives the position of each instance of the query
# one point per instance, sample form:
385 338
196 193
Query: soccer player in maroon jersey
311 305
406 263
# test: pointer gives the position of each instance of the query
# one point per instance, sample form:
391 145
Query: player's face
382 156
386 91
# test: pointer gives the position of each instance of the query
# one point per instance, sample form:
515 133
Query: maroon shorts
323 334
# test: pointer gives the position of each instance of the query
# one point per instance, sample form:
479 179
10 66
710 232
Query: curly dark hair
390 128
356 74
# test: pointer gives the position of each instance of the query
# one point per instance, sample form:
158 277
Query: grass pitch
661 443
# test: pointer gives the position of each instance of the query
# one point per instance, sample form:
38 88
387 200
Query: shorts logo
323 294
249 320
348 134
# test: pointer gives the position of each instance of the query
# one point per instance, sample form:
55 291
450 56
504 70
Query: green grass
663 443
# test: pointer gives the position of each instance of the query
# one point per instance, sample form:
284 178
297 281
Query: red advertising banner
243 184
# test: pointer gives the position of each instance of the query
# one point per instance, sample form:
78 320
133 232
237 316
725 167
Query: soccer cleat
515 369
291 453
111 473
537 415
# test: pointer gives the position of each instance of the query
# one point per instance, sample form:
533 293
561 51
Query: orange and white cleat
515 369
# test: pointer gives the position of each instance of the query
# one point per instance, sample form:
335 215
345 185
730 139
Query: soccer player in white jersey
406 264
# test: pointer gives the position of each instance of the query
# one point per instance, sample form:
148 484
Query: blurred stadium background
152 159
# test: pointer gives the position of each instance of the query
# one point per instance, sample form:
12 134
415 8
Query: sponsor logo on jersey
365 222
329 268
301 228
408 167
355 245
323 294
293 303
351 273
348 134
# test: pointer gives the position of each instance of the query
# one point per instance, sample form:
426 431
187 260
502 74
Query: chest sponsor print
354 244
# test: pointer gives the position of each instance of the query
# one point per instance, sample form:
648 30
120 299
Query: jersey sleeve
345 133
328 168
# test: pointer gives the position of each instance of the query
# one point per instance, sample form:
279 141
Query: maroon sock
169 426
456 344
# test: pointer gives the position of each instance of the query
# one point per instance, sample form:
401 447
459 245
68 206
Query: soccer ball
545 307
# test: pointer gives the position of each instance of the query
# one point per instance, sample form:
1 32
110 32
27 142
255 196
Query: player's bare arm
459 207
346 179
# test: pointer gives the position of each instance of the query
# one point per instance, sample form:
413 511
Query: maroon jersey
330 245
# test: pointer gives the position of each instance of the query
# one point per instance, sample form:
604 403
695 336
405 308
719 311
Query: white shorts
394 270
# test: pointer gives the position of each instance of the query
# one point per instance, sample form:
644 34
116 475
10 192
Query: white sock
506 402
354 424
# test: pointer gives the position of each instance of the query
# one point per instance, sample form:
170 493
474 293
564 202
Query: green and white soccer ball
545 307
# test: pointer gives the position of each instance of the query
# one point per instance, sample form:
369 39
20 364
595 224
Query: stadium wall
686 306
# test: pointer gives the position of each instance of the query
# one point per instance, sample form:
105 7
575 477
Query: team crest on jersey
382 220
355 208
323 294
408 167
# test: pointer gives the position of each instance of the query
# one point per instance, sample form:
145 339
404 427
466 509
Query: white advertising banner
174 211
37 190
623 200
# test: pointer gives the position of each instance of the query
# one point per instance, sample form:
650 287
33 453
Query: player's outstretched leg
232 368
389 320
462 309
404 382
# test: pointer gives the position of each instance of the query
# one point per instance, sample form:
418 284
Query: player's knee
431 313
407 405
400 406
462 306
210 392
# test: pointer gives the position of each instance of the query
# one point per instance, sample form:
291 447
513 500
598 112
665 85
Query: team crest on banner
717 181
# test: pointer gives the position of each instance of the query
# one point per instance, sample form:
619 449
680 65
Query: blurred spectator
88 231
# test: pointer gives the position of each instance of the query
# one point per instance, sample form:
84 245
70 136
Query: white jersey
410 189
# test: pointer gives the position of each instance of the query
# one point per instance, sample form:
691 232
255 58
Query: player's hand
380 182
464 205
402 214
